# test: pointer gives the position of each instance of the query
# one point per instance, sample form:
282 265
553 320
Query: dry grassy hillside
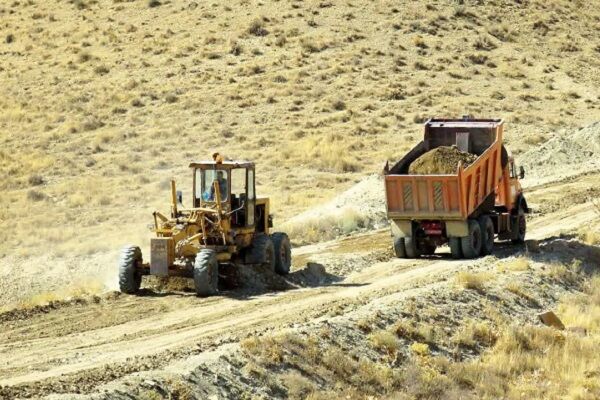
102 101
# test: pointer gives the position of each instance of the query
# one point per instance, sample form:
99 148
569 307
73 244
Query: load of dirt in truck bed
440 161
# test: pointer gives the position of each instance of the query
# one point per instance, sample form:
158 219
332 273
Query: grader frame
226 223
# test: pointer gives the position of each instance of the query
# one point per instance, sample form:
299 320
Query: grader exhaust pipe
173 199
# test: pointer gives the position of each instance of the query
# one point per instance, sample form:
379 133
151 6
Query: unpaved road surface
76 346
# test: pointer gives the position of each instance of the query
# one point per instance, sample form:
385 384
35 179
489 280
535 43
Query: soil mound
441 160
567 153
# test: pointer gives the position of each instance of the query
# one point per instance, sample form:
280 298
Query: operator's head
220 175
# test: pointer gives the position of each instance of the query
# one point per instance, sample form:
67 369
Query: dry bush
518 264
328 153
325 226
384 341
518 289
298 386
420 349
473 280
584 310
257 28
567 274
541 362
475 332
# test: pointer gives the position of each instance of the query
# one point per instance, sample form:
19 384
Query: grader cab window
239 197
207 178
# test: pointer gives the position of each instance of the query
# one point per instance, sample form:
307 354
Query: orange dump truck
467 209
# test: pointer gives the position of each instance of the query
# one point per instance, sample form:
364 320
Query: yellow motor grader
226 224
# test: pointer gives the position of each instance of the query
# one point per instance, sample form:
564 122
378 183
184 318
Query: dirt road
76 346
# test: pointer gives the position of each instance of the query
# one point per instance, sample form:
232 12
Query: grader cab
226 224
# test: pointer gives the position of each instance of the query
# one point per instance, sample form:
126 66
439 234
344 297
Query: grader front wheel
130 277
206 273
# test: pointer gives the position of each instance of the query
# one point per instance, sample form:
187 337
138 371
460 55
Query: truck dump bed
448 197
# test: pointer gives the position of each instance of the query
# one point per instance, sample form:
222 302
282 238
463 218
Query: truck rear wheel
130 277
455 247
206 273
411 247
283 252
487 234
399 247
471 245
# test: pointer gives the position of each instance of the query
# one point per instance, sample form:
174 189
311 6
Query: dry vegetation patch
130 91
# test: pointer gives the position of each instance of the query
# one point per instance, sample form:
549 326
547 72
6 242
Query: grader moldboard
227 224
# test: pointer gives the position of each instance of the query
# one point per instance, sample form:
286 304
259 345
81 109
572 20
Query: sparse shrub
419 65
297 385
280 79
339 105
535 139
137 103
257 28
384 341
420 42
84 57
101 70
589 236
475 332
312 44
9 38
227 133
171 98
517 264
154 3
280 41
420 349
35 180
478 59
35 195
473 280
484 43
236 48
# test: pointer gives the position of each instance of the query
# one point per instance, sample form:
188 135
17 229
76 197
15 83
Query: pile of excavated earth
442 160
566 153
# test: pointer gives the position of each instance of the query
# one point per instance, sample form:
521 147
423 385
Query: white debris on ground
567 153
359 208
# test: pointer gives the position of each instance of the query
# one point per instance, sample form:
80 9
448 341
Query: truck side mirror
179 197
521 172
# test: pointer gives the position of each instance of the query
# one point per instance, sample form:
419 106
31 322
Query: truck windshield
206 189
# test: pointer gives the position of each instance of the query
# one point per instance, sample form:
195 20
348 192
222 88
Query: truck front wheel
521 222
471 245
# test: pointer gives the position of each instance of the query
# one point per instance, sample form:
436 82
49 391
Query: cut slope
566 153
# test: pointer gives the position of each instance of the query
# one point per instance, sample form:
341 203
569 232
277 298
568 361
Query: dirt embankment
565 154
76 348
418 342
